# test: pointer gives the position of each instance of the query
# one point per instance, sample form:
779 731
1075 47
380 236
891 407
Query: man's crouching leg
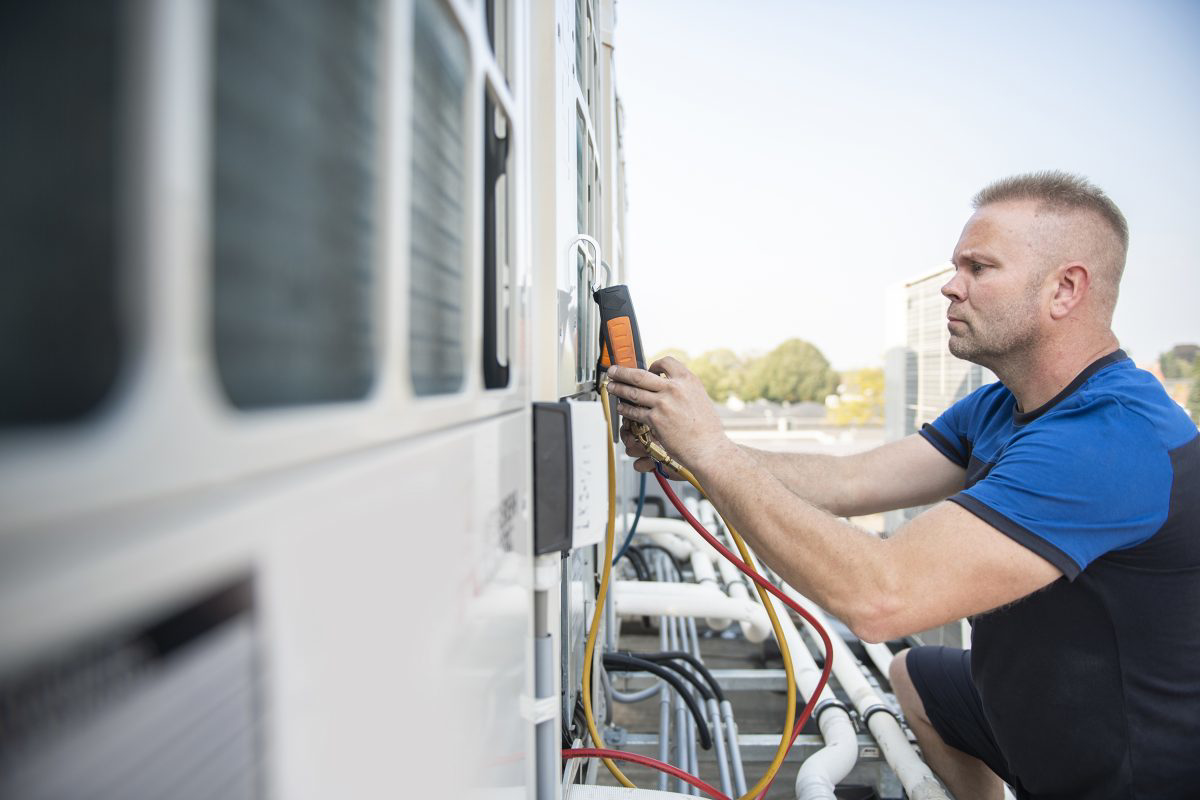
965 776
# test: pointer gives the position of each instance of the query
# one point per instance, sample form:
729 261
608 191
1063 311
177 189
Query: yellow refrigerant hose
601 595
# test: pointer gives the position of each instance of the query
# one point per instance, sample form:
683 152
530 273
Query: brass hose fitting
641 432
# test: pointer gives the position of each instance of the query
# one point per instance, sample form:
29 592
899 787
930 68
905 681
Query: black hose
671 663
577 723
621 662
639 563
662 549
697 664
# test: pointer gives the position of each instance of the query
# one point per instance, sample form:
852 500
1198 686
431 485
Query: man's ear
1072 284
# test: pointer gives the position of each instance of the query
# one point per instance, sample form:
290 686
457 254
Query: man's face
995 310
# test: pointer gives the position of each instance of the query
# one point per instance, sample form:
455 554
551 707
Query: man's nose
953 288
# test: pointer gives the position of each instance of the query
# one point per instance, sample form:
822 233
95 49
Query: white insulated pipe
737 588
824 769
706 575
674 535
880 655
679 548
915 775
644 598
679 539
703 569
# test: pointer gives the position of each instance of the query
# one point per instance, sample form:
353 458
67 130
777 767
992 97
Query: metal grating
295 218
60 337
437 292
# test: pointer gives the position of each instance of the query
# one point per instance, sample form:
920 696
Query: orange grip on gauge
620 333
620 340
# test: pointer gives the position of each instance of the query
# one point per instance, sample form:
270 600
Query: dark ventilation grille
171 709
60 341
294 199
437 290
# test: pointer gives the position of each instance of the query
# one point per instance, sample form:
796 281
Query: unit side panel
391 610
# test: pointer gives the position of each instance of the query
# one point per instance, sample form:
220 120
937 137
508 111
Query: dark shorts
942 677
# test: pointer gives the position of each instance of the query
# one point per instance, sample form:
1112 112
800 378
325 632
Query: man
1071 531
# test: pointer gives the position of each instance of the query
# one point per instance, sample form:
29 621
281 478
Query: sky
787 162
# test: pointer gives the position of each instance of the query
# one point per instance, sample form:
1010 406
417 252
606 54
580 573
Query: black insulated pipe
639 563
621 662
665 551
705 693
697 664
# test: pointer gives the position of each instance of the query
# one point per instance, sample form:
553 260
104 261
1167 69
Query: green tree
720 371
1172 366
794 372
754 379
860 398
1178 361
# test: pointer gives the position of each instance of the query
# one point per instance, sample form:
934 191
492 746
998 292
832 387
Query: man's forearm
828 560
814 477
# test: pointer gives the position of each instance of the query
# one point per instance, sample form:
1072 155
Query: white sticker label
590 470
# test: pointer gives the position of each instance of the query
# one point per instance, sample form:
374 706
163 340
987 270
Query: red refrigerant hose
768 586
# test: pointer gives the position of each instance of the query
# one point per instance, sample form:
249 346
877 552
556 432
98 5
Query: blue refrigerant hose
636 518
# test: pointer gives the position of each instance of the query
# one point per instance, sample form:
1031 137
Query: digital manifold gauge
620 340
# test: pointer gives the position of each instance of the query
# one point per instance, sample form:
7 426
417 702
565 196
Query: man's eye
976 267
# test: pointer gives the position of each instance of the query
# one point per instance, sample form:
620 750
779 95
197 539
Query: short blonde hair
1059 191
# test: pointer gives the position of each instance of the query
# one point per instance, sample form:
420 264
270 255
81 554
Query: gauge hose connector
641 432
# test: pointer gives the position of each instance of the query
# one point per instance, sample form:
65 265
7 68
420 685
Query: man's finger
633 394
669 365
635 413
638 377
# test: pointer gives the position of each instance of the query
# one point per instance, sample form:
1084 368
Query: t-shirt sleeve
948 433
1077 485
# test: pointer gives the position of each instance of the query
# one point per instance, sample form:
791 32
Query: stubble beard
1010 334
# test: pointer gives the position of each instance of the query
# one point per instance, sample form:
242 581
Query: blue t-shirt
1092 685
